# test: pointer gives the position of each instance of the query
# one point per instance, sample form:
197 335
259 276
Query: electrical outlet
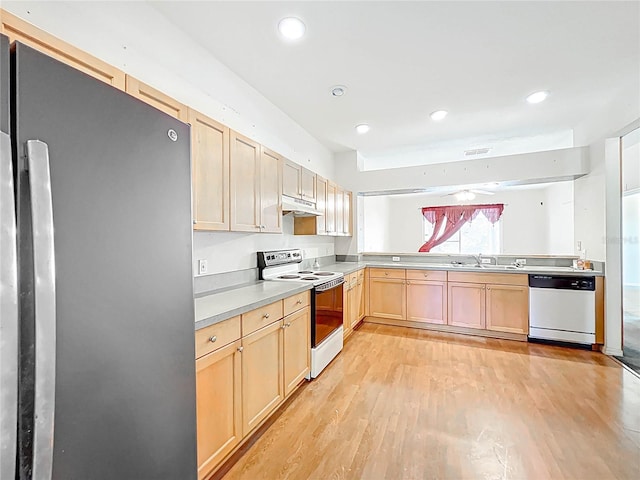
485 260
521 261
395 259
202 267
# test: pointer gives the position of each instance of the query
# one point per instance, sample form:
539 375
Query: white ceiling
403 60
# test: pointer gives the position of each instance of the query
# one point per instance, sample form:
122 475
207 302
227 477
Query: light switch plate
521 261
485 260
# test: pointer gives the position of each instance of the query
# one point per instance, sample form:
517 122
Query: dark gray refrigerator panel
124 323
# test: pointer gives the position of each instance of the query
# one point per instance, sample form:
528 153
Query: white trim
614 352
613 232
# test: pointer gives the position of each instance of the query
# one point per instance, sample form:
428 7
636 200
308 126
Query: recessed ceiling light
338 90
291 28
537 97
362 128
438 115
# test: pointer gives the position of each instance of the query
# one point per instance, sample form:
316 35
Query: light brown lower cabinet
427 301
297 348
466 305
387 298
507 308
361 295
239 384
262 380
218 405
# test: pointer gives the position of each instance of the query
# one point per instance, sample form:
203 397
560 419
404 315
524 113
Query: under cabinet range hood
299 208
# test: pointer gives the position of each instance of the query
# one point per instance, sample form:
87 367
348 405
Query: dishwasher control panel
562 282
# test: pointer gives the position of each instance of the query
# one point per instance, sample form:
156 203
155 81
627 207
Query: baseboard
520 337
614 352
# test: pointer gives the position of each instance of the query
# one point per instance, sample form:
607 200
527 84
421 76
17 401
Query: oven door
327 312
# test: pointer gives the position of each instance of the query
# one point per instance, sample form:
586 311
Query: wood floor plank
402 403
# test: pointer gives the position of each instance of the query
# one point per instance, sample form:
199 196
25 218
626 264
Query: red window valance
454 217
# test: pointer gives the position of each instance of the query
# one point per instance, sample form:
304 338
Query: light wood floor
401 403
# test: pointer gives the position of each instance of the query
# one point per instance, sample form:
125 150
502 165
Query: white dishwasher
562 308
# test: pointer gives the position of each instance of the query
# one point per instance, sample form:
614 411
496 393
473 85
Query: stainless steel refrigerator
96 319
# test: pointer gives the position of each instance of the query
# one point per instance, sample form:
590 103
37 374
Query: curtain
454 217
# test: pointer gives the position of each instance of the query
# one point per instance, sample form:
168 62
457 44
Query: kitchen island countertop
218 306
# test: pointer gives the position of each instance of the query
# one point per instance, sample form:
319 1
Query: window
478 236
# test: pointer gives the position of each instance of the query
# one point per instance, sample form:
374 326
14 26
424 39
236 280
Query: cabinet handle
426 274
386 273
266 315
240 349
488 288
283 327
288 324
213 339
299 302
408 282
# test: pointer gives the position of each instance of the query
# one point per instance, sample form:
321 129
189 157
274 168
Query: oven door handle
329 285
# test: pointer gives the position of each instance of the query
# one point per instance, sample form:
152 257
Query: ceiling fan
468 194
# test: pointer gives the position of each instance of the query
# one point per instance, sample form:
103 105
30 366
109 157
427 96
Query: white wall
230 251
377 218
527 219
560 217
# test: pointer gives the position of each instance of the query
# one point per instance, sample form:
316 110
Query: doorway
630 169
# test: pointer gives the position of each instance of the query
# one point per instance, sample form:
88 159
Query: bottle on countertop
316 264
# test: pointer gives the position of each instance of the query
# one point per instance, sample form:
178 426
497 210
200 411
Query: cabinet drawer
261 317
218 335
496 278
295 302
386 273
431 275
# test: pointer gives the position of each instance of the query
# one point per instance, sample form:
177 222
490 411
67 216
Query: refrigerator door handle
45 306
8 314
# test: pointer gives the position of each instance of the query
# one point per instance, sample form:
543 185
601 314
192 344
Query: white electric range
326 301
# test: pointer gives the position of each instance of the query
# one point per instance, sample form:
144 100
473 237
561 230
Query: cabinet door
244 183
210 157
354 304
508 308
427 301
262 380
321 204
18 30
270 192
156 99
339 211
346 309
218 406
347 213
361 295
297 348
308 185
291 178
330 210
387 298
466 305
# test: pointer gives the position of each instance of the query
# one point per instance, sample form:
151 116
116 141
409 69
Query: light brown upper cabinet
210 164
156 99
347 213
19 30
321 204
291 179
330 211
308 185
244 183
339 211
270 191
